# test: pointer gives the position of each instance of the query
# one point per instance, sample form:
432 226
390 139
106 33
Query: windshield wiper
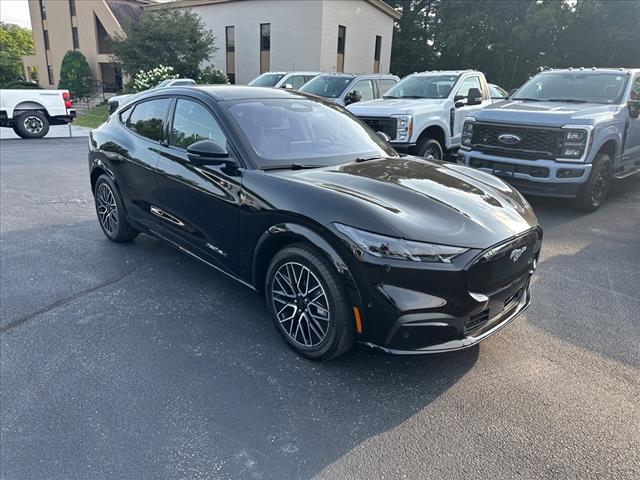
567 100
366 159
525 99
413 96
389 96
291 166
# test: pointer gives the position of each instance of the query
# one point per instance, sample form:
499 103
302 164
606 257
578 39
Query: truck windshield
328 86
267 80
574 87
423 86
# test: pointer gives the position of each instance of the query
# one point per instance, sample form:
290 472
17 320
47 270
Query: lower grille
476 321
382 124
501 265
533 141
533 171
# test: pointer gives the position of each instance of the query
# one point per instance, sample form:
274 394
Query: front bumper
542 177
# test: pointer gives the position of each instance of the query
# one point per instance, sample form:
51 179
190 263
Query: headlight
404 128
467 133
397 248
574 142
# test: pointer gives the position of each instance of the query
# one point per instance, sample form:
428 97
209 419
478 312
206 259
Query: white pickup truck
424 114
30 112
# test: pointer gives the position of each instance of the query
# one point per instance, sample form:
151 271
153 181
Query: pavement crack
65 301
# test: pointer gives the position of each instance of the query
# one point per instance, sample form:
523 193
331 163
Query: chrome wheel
300 304
107 209
33 125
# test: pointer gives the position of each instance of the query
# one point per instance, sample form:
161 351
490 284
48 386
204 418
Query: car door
134 156
460 113
631 153
199 203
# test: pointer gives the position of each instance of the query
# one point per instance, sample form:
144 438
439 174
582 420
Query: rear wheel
309 304
110 210
594 191
429 149
31 125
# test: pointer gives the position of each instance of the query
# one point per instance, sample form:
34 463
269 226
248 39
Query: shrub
21 84
144 80
211 75
75 74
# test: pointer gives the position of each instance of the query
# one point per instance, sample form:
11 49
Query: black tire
33 124
110 211
309 319
429 149
592 194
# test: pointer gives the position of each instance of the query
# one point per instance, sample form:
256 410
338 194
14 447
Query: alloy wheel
107 209
431 153
600 186
33 125
301 304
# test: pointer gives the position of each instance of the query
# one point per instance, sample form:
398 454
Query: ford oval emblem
509 139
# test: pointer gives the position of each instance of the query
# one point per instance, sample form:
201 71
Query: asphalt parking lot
134 361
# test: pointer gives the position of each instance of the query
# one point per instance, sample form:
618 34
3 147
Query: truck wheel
31 125
429 149
594 191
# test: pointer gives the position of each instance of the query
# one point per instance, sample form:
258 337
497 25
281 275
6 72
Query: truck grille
382 124
499 266
534 141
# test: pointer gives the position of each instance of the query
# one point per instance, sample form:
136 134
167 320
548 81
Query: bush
75 75
21 84
144 80
211 75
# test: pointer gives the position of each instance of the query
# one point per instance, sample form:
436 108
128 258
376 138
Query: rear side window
386 85
148 118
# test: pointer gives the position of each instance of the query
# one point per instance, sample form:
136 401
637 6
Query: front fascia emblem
509 139
516 253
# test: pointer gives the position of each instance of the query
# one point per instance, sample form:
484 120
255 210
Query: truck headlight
574 143
467 133
397 248
404 128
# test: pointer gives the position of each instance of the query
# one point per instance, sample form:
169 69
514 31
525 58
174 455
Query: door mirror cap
634 108
287 86
384 136
474 97
207 152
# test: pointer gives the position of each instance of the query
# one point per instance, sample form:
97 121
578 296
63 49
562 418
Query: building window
43 11
265 46
74 35
50 73
72 7
342 39
47 46
231 54
376 54
105 44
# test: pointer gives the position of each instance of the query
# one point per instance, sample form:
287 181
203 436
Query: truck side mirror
634 108
287 86
352 97
474 97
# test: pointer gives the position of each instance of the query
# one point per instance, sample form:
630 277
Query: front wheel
31 125
309 304
110 210
429 149
594 191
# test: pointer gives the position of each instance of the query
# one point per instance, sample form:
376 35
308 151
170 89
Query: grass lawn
93 117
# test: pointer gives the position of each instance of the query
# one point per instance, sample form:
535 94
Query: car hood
424 201
387 107
554 114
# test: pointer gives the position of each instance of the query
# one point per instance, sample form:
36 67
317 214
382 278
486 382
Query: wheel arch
435 131
29 106
610 147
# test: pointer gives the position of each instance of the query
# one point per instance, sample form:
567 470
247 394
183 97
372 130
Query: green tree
211 75
15 42
75 74
173 37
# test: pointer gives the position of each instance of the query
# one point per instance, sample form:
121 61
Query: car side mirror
474 97
457 98
207 152
352 97
287 86
634 108
384 136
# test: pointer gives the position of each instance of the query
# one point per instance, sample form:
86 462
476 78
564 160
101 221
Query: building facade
255 36
85 25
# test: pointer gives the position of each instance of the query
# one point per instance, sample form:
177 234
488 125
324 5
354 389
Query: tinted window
283 131
267 80
365 89
148 118
386 85
468 84
192 122
423 86
497 92
330 86
635 90
575 86
296 81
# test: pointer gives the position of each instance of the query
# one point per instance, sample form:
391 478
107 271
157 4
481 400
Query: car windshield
304 132
267 80
574 87
423 86
328 86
